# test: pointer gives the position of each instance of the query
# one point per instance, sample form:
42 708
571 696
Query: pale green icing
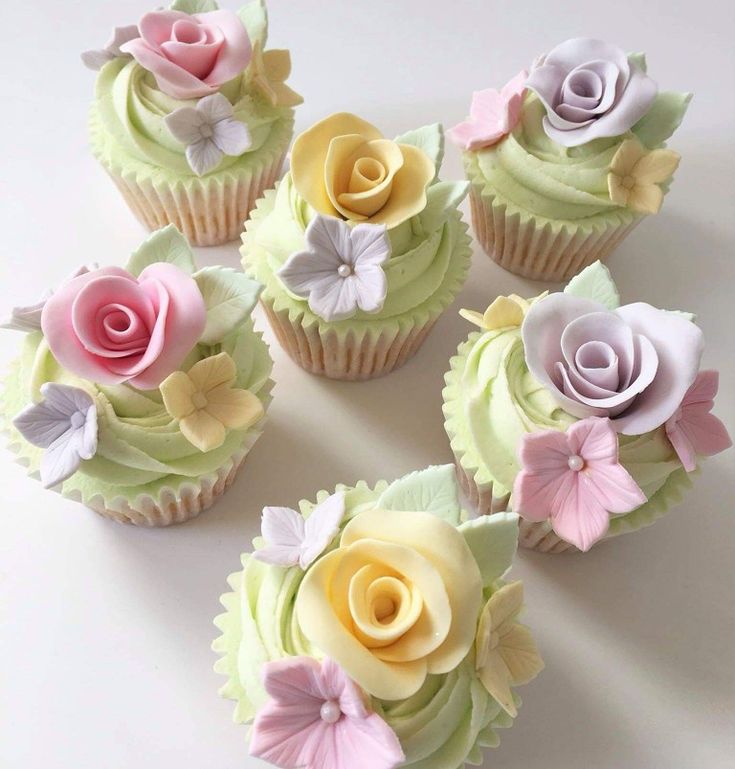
424 272
534 176
128 126
443 726
140 447
491 401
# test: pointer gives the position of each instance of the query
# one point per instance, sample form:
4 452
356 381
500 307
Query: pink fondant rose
110 327
191 56
590 89
633 364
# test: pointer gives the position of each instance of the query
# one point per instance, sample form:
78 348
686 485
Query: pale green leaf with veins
166 245
229 298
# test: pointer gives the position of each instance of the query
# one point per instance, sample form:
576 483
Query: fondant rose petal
679 344
235 53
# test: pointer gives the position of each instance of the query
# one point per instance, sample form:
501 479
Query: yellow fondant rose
343 167
397 600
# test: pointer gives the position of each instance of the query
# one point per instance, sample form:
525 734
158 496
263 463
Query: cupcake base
349 357
171 507
542 250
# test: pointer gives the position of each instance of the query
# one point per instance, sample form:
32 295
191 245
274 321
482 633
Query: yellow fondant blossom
268 71
636 173
504 312
206 403
397 600
506 654
343 167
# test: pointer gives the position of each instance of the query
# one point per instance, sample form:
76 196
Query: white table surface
105 629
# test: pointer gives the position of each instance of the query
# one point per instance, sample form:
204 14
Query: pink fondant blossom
575 480
317 719
692 430
191 55
493 115
110 327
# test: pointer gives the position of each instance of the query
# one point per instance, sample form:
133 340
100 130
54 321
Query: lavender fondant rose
590 89
110 327
633 364
191 55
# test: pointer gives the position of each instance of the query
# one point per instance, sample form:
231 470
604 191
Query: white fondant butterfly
292 539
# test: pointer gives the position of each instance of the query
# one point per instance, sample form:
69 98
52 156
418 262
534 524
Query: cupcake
583 416
376 623
565 161
360 248
192 116
140 391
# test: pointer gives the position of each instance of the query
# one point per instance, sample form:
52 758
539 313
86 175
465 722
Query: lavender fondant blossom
110 327
191 55
633 364
590 89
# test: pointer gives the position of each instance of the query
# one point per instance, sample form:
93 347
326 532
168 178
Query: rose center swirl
383 605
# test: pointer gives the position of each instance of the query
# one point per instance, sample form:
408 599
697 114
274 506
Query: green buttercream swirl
423 272
130 109
442 726
492 401
140 446
534 176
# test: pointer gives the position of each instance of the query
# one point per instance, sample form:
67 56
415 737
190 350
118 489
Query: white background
105 630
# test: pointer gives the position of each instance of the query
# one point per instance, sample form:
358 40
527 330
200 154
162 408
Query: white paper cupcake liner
542 250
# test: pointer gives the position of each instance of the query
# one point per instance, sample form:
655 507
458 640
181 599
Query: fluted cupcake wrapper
210 210
538 248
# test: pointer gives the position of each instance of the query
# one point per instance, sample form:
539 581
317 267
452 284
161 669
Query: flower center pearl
330 712
344 271
575 463
199 400
628 182
205 131
77 419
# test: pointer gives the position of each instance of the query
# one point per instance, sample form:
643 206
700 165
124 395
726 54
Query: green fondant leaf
493 540
166 245
441 198
433 490
229 297
595 282
430 139
639 60
194 6
664 117
255 18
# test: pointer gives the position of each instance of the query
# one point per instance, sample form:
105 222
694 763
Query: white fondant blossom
65 424
341 269
209 131
97 58
28 317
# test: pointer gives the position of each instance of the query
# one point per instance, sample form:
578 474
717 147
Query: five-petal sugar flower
96 59
209 131
317 719
692 430
65 424
505 652
206 403
291 539
493 115
574 480
340 272
635 175
268 71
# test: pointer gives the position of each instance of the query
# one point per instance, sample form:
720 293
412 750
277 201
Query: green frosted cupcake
192 118
139 392
584 416
360 248
380 628
561 161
